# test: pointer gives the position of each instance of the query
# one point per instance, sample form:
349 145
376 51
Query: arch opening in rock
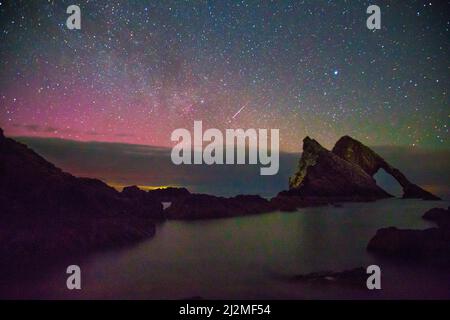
388 183
355 152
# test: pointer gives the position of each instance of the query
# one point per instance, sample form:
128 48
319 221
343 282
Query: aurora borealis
138 70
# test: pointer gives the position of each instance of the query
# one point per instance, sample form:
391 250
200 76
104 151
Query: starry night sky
138 70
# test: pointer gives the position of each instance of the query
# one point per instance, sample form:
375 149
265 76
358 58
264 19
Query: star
155 67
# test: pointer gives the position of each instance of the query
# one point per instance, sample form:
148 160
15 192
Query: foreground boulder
47 212
322 175
440 216
429 245
356 153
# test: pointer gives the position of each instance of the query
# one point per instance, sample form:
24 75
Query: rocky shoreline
323 178
48 212
431 245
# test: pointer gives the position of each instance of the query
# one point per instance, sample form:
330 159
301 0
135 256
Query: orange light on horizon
119 187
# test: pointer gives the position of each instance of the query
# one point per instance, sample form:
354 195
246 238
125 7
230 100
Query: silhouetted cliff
47 212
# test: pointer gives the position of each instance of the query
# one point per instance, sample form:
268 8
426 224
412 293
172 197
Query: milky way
138 70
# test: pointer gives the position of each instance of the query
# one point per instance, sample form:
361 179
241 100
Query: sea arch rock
357 153
324 175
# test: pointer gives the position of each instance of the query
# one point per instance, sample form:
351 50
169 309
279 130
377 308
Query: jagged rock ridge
355 152
323 174
204 206
345 174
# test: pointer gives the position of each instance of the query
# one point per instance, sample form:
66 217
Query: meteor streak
239 111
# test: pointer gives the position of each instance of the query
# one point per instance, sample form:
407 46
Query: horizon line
169 147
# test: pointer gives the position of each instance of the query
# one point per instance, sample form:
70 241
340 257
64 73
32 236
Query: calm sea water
253 257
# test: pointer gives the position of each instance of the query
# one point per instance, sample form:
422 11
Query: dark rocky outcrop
191 206
288 201
355 152
419 244
429 245
148 198
322 175
343 174
438 215
203 206
47 212
169 194
149 202
355 277
161 195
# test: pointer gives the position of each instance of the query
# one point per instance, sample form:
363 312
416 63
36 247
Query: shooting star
239 111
